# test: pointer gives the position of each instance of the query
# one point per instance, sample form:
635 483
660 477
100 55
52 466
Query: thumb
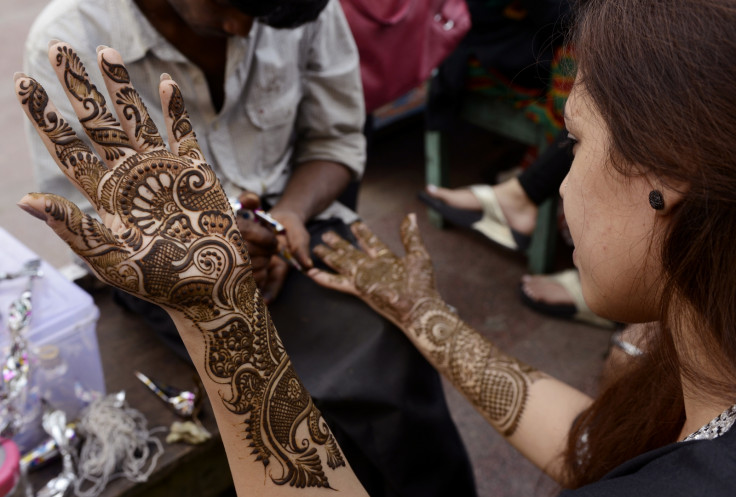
85 235
249 200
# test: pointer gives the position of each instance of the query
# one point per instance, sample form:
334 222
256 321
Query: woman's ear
664 197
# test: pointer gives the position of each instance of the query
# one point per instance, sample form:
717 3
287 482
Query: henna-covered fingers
339 254
332 281
368 241
108 137
86 236
75 159
129 107
182 139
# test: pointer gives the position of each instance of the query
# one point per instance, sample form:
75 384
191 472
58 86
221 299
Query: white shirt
291 95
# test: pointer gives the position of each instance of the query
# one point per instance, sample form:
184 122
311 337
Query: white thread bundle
116 443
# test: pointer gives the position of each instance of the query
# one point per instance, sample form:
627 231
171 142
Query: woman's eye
569 142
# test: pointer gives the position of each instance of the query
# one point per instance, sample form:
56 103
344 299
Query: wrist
425 309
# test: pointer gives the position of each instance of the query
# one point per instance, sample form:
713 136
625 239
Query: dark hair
662 76
282 13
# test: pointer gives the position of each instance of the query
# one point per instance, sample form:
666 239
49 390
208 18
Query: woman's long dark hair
662 73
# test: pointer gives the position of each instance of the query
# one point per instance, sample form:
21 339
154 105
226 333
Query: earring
656 200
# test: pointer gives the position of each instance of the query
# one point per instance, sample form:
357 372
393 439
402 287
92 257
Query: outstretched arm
531 409
167 234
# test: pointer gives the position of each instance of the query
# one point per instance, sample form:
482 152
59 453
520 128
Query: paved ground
478 279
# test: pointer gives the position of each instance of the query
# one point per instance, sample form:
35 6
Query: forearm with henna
403 290
496 384
168 235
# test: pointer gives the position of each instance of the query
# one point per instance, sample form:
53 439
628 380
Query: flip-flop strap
493 224
570 281
488 200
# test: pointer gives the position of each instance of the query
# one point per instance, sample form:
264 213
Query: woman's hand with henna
167 233
392 285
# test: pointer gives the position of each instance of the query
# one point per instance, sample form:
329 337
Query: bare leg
519 210
543 289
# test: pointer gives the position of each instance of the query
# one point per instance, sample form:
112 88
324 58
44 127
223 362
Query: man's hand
260 240
167 233
296 238
391 285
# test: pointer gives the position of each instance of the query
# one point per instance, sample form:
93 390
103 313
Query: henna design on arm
495 383
403 290
169 237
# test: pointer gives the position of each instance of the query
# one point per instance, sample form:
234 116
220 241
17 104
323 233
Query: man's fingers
298 243
107 136
333 281
277 271
129 107
259 239
182 140
368 241
75 159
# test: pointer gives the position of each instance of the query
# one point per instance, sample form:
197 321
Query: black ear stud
656 200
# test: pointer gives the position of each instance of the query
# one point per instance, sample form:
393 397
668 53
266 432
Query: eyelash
569 142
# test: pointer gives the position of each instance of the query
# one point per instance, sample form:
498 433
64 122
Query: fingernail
165 76
33 212
53 42
18 75
431 188
100 48
413 218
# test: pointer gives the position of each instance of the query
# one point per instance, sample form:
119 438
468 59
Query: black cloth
697 468
383 401
542 179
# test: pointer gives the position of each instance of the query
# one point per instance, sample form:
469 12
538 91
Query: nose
563 186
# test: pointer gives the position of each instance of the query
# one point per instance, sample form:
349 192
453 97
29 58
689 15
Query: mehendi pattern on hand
403 290
169 237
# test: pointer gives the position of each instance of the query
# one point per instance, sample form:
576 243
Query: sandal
570 281
490 222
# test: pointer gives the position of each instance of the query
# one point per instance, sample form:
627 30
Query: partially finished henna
168 235
403 290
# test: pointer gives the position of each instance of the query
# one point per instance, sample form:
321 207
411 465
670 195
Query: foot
547 290
520 212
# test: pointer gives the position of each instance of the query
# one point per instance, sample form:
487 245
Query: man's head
234 17
281 13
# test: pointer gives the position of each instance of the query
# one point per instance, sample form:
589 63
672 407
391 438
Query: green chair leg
436 168
541 252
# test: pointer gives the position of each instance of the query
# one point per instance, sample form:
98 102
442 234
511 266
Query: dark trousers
543 177
383 401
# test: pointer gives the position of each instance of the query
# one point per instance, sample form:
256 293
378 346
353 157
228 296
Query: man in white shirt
273 92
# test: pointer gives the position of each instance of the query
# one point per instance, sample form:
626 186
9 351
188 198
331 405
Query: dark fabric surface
520 48
382 399
543 177
704 468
